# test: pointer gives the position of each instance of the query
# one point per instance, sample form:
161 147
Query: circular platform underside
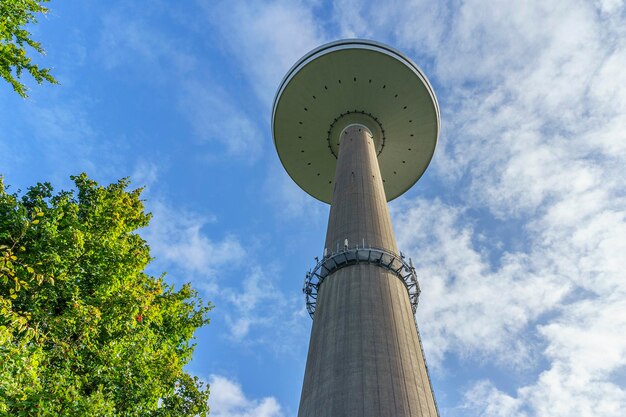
364 81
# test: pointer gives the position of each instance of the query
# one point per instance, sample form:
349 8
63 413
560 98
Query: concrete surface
364 356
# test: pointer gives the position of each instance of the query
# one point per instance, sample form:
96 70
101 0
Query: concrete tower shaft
359 211
365 357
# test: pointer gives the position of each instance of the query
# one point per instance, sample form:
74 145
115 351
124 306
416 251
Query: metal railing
430 381
390 261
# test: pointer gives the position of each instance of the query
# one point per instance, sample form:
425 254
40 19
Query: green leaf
76 346
15 16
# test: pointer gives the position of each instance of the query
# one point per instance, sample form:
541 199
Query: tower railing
384 258
430 381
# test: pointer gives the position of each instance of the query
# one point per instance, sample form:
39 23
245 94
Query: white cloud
469 306
266 37
257 291
542 119
585 344
290 201
563 299
215 118
403 24
144 174
176 237
254 308
259 313
533 109
485 400
136 44
59 134
228 400
128 40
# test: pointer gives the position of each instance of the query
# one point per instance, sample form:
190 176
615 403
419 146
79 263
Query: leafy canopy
14 38
83 330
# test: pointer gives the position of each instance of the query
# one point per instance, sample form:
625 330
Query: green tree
15 15
84 331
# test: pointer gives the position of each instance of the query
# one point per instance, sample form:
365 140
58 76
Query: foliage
14 38
83 330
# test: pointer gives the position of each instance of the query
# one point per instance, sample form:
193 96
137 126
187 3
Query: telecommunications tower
355 124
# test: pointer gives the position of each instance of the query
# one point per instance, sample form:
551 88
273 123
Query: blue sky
517 229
